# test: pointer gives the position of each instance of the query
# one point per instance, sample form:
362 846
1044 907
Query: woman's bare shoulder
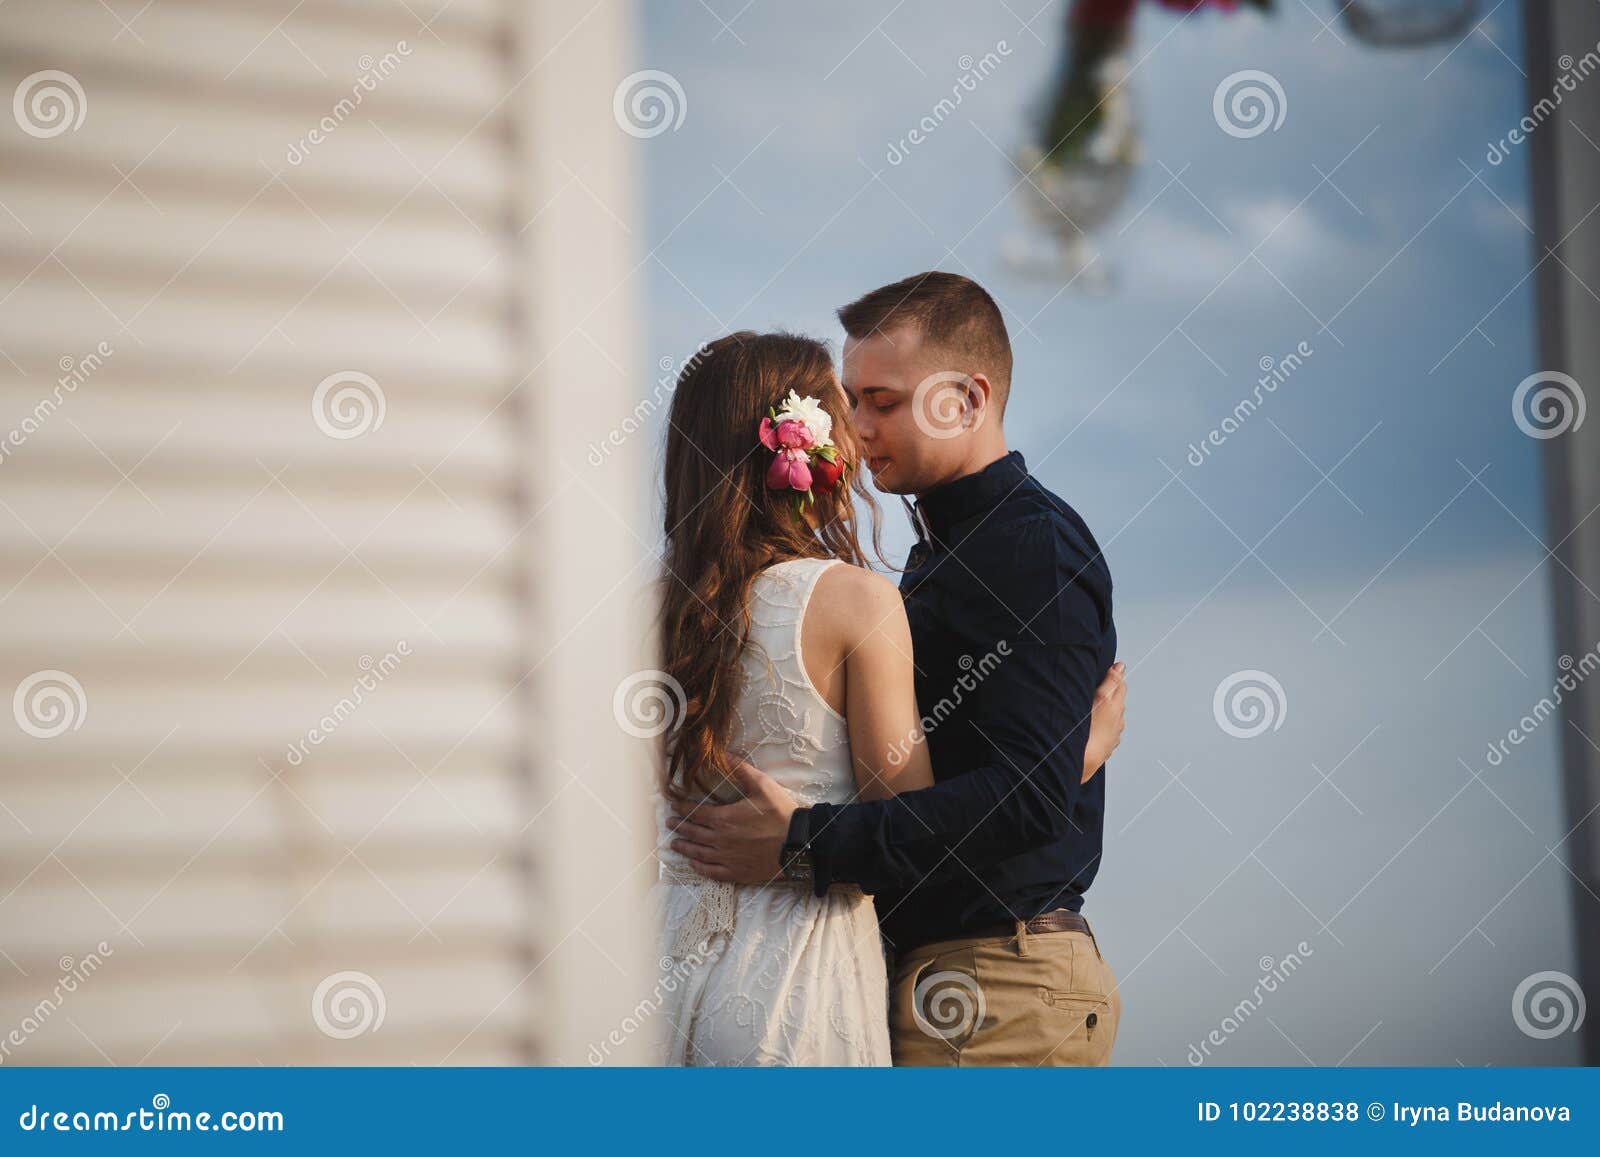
856 600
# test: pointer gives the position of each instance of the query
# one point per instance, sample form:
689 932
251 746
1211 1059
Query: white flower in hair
808 412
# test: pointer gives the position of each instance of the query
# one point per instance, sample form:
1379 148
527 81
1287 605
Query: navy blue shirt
1009 601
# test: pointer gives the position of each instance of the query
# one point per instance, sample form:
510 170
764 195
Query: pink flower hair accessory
805 459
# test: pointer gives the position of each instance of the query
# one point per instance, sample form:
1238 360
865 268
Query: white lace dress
771 974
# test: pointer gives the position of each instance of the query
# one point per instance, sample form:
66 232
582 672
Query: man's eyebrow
870 390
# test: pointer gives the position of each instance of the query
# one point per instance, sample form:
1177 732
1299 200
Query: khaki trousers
1024 999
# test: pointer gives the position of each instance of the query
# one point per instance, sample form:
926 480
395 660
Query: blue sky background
1401 605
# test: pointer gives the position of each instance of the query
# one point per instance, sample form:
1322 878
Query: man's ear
980 393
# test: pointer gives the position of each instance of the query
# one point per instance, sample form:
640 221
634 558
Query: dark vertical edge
1544 28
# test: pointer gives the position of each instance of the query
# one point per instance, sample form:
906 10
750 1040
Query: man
979 880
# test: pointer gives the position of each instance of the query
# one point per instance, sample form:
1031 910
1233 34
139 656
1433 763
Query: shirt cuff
800 837
811 825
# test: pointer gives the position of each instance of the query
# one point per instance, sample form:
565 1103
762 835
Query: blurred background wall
310 632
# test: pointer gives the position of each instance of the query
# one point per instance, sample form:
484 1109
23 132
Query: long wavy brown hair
723 526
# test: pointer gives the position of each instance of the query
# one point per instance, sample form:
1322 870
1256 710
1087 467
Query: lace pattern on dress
781 711
772 974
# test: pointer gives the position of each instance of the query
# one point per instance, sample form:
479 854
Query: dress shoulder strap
787 585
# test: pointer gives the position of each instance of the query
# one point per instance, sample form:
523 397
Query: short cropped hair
948 310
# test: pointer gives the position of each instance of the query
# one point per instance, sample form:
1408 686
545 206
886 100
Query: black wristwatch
795 859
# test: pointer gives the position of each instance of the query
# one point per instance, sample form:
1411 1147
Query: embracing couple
880 808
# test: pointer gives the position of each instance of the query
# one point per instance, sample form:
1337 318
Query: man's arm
1040 705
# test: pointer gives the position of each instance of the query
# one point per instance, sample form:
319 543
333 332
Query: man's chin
885 481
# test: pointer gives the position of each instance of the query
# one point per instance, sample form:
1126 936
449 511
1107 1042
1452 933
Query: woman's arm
741 841
1105 725
872 638
870 645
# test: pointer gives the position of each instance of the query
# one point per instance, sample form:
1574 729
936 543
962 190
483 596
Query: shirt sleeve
1035 716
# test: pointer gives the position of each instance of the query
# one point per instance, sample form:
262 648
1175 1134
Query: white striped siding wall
183 537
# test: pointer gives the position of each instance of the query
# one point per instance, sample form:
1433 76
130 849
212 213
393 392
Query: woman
792 654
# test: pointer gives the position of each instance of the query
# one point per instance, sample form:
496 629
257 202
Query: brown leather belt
1060 920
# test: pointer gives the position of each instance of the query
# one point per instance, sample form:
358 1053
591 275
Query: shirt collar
972 494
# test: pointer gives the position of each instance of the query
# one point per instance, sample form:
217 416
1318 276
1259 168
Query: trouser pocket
936 1008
